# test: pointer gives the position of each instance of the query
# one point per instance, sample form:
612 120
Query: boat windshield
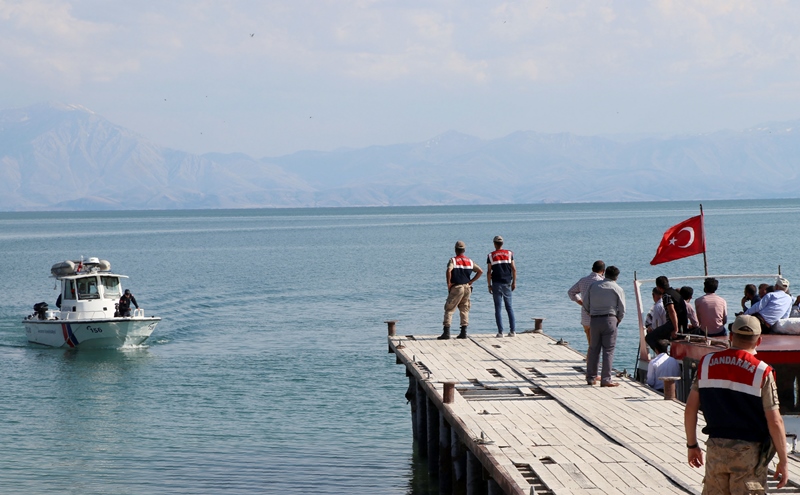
110 287
87 288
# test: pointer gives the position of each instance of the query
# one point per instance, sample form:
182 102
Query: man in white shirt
660 366
657 315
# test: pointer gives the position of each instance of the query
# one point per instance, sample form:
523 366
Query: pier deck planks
529 398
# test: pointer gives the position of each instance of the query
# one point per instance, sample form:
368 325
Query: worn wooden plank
569 439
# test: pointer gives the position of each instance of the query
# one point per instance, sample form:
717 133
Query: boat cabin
88 289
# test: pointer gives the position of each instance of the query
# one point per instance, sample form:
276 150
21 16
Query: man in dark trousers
125 303
677 317
739 399
605 303
459 287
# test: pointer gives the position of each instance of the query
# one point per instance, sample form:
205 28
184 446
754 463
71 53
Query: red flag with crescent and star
682 240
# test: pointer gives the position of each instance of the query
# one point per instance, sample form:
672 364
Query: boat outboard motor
41 310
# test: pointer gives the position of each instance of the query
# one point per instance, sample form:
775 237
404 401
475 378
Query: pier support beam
422 421
459 455
433 439
493 488
411 397
445 457
476 485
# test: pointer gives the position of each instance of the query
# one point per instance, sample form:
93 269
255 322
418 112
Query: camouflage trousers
458 297
734 467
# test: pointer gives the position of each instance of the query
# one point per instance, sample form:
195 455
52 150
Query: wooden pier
515 416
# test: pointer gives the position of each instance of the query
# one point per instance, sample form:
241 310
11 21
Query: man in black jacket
677 317
125 303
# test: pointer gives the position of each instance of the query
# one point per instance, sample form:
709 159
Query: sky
267 78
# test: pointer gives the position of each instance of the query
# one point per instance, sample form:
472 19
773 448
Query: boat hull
95 333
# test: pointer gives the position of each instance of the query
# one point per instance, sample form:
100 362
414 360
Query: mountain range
65 157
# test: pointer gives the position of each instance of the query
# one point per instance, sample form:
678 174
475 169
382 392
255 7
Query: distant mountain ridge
66 157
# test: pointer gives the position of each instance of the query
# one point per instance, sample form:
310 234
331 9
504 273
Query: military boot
445 333
463 334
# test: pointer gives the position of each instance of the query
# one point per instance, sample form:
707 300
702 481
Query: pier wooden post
537 325
433 438
391 324
445 457
422 421
669 386
449 392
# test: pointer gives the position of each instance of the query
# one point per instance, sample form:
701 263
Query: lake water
269 371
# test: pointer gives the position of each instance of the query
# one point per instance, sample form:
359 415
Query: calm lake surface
269 371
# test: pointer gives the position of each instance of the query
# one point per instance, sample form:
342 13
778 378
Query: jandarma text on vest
732 361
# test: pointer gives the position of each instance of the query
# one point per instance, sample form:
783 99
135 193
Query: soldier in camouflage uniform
739 399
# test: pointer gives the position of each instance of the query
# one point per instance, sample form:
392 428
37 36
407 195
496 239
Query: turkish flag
682 240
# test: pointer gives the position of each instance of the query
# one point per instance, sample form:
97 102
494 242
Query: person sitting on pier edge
774 306
764 289
657 316
459 288
125 303
662 365
686 293
712 310
578 291
677 319
740 446
750 296
501 273
605 303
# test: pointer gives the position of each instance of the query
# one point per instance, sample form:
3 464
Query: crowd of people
673 311
735 390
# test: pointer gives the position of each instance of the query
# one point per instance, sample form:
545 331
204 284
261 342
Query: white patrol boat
87 315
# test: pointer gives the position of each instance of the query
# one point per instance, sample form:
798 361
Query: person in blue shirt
774 306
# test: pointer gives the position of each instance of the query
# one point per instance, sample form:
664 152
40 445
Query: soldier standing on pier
459 287
739 398
501 272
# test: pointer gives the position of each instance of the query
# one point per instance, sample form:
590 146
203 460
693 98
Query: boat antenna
702 223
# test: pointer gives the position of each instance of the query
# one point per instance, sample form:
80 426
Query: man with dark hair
501 273
605 303
660 366
750 296
764 289
773 306
686 293
740 445
677 319
656 316
712 310
125 304
578 291
459 287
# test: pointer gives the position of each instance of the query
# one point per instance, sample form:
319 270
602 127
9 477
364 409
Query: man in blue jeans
502 277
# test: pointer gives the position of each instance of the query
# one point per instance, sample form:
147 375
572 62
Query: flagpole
702 223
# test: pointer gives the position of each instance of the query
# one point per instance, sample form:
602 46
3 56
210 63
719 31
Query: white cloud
316 54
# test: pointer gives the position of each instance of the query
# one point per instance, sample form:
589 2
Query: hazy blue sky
267 77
